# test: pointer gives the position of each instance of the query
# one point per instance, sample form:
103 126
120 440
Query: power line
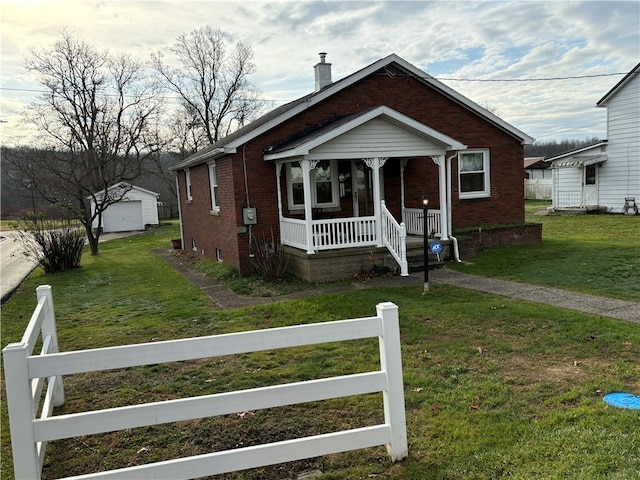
539 79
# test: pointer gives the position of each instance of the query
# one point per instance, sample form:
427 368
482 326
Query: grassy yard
494 387
597 254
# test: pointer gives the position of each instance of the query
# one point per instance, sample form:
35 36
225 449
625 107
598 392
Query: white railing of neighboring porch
25 375
568 198
412 218
394 237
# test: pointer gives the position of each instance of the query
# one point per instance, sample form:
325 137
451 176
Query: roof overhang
580 161
202 156
303 146
604 101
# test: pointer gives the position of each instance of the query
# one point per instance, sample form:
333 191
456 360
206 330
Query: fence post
393 395
26 464
49 330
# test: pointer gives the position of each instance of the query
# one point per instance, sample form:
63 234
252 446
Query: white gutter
454 240
180 212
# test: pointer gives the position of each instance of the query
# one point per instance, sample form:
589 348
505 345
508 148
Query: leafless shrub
268 259
56 245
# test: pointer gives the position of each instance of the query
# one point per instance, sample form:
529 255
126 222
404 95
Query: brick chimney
323 73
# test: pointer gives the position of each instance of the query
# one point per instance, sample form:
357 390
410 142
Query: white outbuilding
137 210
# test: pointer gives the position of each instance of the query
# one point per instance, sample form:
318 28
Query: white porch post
375 164
442 189
307 166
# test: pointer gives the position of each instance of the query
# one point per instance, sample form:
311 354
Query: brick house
339 176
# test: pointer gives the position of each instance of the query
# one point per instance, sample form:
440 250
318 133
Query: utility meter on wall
249 216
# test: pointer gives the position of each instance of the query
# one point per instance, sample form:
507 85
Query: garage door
123 217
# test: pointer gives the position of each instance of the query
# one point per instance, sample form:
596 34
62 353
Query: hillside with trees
550 148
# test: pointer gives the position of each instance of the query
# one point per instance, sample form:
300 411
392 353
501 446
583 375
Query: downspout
454 240
246 186
179 211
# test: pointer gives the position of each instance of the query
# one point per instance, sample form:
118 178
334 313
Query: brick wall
472 241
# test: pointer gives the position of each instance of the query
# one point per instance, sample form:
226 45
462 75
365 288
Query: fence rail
30 434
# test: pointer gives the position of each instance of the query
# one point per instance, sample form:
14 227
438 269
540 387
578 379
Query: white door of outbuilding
591 185
123 217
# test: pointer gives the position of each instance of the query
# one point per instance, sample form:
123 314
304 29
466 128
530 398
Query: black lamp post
425 233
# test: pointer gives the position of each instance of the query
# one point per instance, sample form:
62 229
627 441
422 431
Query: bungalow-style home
605 176
339 175
137 209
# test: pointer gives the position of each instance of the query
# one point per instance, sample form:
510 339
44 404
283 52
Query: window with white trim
324 185
473 174
187 181
213 184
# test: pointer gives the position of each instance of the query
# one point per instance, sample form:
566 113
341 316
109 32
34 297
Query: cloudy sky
512 56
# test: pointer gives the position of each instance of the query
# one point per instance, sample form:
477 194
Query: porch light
425 236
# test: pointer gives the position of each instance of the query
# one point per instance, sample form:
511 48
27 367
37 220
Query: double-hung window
473 174
187 180
213 184
324 185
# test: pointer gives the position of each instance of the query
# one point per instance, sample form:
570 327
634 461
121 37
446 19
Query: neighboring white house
137 210
605 176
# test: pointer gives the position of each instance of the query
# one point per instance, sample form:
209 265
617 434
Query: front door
362 190
591 185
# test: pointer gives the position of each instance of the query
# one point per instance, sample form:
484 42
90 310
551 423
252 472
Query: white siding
619 176
144 200
376 138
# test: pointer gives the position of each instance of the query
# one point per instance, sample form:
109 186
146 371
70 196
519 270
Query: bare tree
215 94
98 127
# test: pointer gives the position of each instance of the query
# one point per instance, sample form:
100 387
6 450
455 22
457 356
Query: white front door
591 185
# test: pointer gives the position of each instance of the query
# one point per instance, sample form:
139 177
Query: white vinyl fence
25 375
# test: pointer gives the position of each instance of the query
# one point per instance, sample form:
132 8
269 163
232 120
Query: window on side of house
324 185
213 184
187 181
473 174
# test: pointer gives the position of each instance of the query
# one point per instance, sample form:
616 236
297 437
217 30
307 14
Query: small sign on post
436 247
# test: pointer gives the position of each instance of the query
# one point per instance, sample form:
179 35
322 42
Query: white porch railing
344 232
293 233
25 374
394 237
412 218
568 198
330 234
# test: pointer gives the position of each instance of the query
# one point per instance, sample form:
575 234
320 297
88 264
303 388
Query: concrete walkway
604 306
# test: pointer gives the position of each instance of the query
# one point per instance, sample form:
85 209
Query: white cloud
459 39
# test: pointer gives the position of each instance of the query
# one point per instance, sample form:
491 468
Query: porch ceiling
379 132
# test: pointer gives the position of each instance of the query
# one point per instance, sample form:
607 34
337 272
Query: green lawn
597 254
494 387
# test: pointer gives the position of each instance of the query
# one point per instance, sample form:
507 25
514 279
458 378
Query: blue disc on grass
623 400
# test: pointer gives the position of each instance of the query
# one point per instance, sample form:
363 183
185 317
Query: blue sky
465 44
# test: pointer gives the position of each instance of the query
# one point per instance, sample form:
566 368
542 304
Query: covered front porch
349 262
334 184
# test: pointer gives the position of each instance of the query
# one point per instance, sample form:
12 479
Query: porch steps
416 264
415 256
